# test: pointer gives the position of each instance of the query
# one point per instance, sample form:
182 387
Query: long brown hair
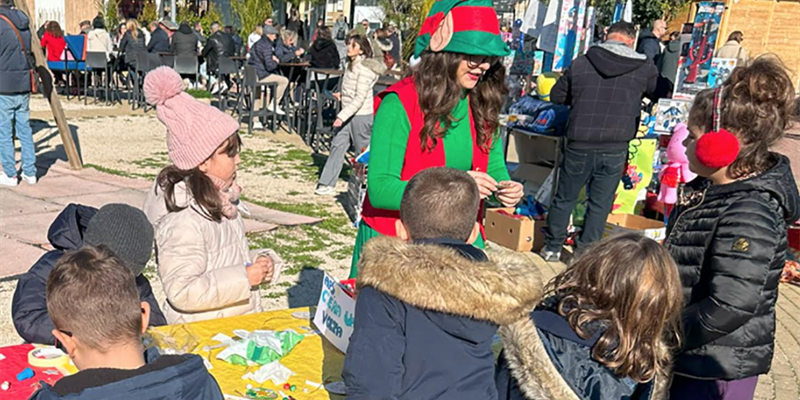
439 93
757 106
200 186
133 28
630 284
55 29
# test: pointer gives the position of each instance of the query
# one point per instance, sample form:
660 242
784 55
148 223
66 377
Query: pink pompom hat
194 129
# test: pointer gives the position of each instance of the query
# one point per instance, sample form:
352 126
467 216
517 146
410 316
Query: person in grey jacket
668 63
15 94
355 118
184 41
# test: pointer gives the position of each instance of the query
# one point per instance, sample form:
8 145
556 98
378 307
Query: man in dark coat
604 89
265 63
394 37
238 43
432 338
159 40
650 40
184 41
15 94
122 228
668 62
219 45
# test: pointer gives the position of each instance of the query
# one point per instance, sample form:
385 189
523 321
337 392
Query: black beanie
126 231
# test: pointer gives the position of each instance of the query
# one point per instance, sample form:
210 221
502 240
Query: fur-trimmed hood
437 278
535 373
376 66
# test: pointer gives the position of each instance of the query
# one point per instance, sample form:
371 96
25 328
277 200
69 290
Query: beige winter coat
732 49
99 41
202 263
357 87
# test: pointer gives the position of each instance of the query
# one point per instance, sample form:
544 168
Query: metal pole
172 10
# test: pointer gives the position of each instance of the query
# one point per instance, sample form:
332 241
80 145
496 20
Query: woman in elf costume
444 115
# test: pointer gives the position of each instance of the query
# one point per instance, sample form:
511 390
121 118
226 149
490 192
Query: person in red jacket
53 41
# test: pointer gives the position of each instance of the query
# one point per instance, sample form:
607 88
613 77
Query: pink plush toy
676 171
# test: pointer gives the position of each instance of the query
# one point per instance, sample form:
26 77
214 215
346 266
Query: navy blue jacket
261 58
29 306
164 377
571 372
426 317
15 70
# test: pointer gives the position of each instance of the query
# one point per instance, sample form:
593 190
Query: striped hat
462 26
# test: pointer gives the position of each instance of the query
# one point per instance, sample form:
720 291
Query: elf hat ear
717 149
440 38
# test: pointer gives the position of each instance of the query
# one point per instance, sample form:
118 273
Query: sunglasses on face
477 61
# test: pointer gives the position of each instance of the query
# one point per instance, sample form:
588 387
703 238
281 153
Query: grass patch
199 93
117 172
274 295
342 253
293 193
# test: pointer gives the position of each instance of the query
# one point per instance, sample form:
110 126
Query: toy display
676 171
670 113
721 69
694 68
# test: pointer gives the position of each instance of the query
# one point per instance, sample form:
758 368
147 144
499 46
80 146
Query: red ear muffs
717 149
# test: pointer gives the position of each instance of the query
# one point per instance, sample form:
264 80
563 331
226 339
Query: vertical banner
588 32
533 21
618 8
335 314
579 27
565 43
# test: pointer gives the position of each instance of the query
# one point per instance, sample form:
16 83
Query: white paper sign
335 313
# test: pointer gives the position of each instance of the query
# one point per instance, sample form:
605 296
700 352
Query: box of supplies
619 223
518 234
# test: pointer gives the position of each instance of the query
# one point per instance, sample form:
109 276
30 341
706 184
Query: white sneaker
257 125
323 190
215 89
280 111
30 180
8 181
223 87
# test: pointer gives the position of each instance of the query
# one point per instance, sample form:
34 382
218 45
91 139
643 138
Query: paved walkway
783 381
26 211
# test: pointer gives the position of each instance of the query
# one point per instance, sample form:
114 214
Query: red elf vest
416 159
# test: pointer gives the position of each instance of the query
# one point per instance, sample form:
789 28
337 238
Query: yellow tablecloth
313 359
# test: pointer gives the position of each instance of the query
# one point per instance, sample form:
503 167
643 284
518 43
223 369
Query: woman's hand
486 184
338 123
337 96
510 193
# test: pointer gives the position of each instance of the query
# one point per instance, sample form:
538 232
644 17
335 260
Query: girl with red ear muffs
727 233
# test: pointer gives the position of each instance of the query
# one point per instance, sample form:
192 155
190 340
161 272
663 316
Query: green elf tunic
387 151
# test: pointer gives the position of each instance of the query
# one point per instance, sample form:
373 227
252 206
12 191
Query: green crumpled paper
265 354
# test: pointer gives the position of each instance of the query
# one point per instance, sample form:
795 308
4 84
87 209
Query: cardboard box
516 234
619 223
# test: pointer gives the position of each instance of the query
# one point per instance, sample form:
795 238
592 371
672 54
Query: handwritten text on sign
335 313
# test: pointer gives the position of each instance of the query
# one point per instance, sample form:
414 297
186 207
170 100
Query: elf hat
462 26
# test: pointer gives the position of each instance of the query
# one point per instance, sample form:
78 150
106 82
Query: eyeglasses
477 61
58 344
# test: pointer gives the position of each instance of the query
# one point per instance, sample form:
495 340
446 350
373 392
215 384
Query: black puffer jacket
324 54
605 89
219 45
729 242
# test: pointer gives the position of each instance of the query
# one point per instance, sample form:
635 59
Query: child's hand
270 268
257 272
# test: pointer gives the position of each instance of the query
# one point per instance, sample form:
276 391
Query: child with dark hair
99 320
354 120
728 232
605 330
204 260
123 229
429 303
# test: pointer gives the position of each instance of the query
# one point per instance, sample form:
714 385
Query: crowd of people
629 318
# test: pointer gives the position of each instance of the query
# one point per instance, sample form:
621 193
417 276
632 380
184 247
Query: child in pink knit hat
204 260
